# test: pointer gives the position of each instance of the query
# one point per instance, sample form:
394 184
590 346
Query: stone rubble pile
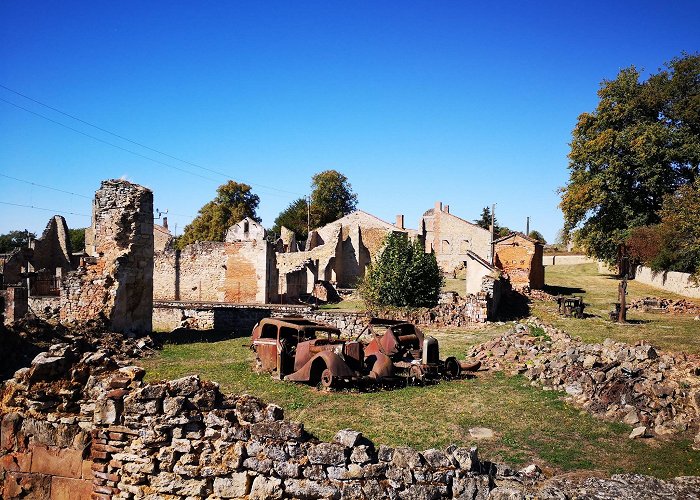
613 380
658 304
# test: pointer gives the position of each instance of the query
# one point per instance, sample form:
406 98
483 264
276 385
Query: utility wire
106 142
46 187
41 208
132 141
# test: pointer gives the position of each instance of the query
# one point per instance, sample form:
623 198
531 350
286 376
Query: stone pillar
16 304
117 286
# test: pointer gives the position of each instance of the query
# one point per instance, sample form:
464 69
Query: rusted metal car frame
301 350
402 350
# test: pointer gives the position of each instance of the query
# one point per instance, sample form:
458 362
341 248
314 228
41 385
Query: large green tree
485 220
640 144
14 239
331 197
403 275
234 202
77 239
679 232
295 218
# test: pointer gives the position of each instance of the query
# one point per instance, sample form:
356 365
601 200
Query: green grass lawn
666 331
531 425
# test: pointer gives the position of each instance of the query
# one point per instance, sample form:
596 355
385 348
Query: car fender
324 359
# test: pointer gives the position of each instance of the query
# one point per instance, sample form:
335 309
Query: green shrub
403 275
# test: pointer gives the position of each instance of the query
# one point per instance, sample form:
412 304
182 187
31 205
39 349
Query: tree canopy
485 220
536 235
331 199
14 239
640 145
403 275
77 239
233 203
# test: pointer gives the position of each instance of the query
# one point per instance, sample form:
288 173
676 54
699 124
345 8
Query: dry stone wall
83 424
116 284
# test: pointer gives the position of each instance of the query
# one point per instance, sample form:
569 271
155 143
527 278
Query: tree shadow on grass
191 336
563 290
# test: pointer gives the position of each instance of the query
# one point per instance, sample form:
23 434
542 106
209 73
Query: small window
446 247
268 332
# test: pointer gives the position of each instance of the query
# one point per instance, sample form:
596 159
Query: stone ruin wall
521 260
71 429
116 285
82 424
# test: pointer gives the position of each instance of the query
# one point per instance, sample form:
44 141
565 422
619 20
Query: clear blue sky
470 103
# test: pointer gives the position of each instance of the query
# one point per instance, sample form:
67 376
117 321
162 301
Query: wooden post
622 292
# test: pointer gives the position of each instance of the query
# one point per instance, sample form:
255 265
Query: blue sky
469 103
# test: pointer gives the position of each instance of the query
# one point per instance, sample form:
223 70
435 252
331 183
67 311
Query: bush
402 276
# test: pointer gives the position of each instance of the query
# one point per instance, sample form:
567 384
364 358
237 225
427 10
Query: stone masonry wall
84 425
116 285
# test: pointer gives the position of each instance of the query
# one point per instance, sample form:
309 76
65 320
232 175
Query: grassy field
531 425
668 332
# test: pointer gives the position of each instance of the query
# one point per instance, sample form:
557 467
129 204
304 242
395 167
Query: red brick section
241 281
63 488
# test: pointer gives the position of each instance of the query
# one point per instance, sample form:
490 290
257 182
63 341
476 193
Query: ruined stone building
452 238
46 259
520 257
115 285
241 269
337 253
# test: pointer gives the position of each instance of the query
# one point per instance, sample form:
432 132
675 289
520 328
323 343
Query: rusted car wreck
301 350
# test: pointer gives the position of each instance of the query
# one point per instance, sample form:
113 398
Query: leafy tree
536 235
403 275
331 197
640 144
233 203
485 220
679 232
14 239
77 239
294 217
503 231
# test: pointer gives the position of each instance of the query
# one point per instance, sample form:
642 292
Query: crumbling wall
521 259
53 249
451 238
116 285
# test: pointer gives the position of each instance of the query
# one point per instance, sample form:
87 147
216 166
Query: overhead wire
45 209
46 187
227 176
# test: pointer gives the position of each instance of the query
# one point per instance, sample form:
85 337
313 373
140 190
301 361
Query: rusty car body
402 350
301 350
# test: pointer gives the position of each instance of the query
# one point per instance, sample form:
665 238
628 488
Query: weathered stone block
327 454
280 429
8 429
63 488
237 485
265 488
62 462
303 488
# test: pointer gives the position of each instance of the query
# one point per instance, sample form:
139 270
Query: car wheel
452 368
327 379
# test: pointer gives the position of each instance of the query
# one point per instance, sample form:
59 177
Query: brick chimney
438 206
399 221
446 209
165 222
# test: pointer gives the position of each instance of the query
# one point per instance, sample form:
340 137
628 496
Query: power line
105 142
46 187
134 142
45 209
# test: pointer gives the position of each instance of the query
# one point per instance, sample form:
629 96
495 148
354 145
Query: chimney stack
399 221
446 209
438 206
165 222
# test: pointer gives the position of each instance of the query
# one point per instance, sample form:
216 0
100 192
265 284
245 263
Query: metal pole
493 234
527 227
308 215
